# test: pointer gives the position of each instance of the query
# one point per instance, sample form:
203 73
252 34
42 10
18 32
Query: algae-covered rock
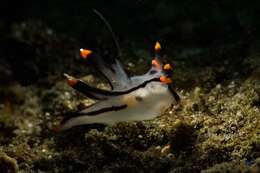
234 167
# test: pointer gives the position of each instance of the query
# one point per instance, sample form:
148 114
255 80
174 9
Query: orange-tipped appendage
165 80
85 53
71 80
156 64
157 46
167 67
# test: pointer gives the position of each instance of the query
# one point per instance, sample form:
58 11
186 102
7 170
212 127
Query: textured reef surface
214 129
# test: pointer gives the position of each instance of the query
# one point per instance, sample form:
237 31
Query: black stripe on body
93 113
87 90
175 95
101 94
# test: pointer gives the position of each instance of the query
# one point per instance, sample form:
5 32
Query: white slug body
135 98
143 104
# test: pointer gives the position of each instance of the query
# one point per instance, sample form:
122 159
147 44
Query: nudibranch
135 98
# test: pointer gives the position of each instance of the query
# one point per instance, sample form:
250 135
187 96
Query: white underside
156 98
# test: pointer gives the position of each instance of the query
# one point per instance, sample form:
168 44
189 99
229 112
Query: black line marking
100 94
93 113
84 88
152 72
175 95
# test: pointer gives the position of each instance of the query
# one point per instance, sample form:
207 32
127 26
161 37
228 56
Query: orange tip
156 64
167 67
165 80
85 53
71 80
157 46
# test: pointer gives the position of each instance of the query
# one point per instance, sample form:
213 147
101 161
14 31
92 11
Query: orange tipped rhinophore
156 64
167 67
165 80
157 46
71 80
85 53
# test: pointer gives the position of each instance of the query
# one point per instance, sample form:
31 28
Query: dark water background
177 24
181 22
